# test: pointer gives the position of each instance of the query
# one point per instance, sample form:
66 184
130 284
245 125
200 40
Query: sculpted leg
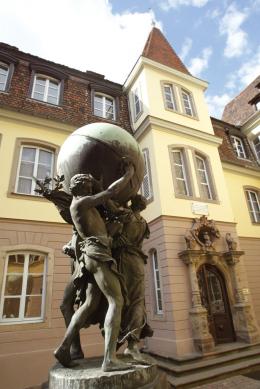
78 321
110 286
67 311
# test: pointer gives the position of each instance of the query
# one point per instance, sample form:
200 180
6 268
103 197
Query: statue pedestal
88 375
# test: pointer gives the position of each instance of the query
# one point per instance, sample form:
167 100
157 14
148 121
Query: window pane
179 171
36 263
34 284
39 89
13 286
181 187
33 306
26 169
177 157
28 154
3 77
11 308
43 171
45 157
24 185
52 100
15 264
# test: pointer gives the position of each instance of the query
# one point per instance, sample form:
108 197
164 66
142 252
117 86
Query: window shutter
146 187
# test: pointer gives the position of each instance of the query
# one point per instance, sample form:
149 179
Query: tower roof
158 49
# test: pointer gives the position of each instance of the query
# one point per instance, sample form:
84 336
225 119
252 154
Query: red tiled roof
158 49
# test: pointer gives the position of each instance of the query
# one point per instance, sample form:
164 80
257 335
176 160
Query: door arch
214 298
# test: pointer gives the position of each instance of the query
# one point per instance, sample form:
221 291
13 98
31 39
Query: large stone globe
98 149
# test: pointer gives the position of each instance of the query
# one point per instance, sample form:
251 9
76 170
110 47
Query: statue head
138 203
81 184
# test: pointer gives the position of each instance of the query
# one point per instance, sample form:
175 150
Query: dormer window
187 103
104 106
238 147
169 96
46 89
4 70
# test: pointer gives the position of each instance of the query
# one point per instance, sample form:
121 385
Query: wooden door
214 298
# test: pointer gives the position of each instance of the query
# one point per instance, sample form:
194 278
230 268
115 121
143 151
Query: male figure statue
96 260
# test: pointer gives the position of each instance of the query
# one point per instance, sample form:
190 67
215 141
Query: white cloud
198 64
187 44
247 72
167 4
230 25
217 103
83 34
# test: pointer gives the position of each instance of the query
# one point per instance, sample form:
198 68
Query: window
137 103
203 178
180 173
187 103
24 287
238 147
34 162
104 106
46 89
157 283
253 204
4 71
169 96
256 143
146 188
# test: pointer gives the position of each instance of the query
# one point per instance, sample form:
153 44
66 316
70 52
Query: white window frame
137 102
147 176
7 67
104 112
253 213
238 147
172 98
35 167
157 282
21 318
46 89
187 94
183 168
205 170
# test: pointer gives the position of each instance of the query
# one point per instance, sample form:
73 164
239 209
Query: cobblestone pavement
236 382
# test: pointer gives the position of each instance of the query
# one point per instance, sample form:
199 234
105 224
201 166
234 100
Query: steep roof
241 108
158 49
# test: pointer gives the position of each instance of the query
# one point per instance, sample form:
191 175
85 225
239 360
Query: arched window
238 146
32 159
204 178
24 287
157 283
253 201
169 97
46 89
187 103
181 181
104 106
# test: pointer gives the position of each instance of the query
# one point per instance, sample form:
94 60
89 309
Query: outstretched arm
113 189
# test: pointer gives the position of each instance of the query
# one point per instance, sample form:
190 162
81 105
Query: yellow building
202 293
202 188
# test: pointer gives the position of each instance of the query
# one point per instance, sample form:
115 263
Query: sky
218 40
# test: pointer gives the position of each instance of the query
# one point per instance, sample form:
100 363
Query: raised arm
113 189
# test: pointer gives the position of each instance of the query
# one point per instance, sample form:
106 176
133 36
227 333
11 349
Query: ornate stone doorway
214 298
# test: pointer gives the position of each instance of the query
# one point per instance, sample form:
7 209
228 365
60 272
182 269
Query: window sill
112 121
181 113
199 199
45 103
28 325
24 196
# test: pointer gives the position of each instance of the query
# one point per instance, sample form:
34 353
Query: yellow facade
236 180
12 127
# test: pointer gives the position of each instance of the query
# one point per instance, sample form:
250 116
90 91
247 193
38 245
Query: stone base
88 375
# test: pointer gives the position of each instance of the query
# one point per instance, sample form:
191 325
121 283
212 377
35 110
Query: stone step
219 360
207 375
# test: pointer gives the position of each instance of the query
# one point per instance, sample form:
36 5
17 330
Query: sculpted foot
136 355
62 354
114 365
76 353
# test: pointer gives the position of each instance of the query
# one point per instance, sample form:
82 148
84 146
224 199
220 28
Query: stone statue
131 261
231 243
96 258
102 282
